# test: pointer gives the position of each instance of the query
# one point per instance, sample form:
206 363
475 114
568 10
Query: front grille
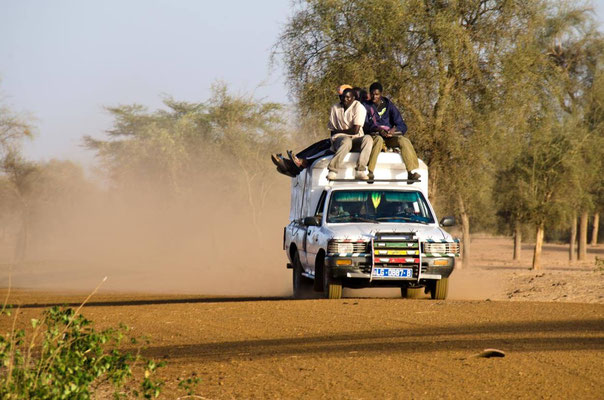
441 248
397 250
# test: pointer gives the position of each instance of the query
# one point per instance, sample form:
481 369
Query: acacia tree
176 151
576 51
20 175
438 60
14 128
542 181
597 151
595 147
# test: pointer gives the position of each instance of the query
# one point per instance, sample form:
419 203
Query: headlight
335 247
441 248
435 248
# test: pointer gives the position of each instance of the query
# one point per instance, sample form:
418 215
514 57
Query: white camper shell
309 184
354 233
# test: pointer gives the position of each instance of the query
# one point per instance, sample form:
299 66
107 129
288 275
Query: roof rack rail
375 180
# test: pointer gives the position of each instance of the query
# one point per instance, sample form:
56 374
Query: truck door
313 242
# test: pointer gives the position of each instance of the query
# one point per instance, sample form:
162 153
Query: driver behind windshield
378 206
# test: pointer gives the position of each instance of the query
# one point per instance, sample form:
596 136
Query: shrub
64 357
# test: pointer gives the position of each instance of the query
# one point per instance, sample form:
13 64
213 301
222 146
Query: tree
439 61
577 52
20 175
172 153
554 71
14 128
595 147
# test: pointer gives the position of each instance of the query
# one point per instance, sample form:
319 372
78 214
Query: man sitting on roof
295 163
346 120
386 125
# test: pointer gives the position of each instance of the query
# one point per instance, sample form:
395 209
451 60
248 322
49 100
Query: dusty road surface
360 348
370 345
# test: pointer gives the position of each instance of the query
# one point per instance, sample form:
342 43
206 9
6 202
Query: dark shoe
291 166
370 175
413 177
294 159
284 166
275 158
285 172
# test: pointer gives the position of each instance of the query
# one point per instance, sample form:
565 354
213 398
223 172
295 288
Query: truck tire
318 282
412 292
332 289
301 284
440 289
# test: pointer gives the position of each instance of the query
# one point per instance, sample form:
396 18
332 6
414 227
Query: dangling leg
409 157
342 144
378 144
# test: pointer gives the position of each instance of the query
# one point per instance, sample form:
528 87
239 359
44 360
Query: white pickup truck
356 234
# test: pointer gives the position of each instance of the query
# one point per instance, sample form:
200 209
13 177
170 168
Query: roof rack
375 180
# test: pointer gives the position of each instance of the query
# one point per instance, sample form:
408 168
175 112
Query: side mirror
447 221
312 221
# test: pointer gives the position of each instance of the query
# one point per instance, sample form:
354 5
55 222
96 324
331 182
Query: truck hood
356 231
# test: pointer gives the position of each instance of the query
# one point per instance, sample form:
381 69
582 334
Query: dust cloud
215 236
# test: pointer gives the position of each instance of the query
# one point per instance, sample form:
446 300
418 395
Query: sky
63 61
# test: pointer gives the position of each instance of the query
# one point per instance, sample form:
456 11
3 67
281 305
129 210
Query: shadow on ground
519 337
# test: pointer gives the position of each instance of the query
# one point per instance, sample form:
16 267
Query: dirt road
358 347
361 348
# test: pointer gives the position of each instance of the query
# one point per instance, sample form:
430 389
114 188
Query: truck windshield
378 206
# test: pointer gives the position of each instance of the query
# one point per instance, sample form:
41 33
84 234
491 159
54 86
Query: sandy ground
493 275
550 324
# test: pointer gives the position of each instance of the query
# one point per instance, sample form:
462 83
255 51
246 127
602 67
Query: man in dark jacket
386 125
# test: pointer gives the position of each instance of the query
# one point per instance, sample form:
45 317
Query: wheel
440 289
332 289
318 282
412 292
301 284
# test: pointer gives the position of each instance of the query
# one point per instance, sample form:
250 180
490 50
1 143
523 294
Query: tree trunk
432 195
572 256
465 228
596 228
538 247
22 237
583 236
517 241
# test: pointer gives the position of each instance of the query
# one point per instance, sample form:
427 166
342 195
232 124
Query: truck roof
389 167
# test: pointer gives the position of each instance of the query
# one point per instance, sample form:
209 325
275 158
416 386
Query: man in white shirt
346 120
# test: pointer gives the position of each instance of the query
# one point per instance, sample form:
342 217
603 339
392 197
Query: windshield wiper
403 218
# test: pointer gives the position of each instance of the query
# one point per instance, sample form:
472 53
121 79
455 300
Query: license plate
392 273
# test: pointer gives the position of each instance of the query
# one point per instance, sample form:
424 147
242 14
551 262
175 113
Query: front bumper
360 268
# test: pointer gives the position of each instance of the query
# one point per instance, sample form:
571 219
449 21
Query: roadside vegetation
62 356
